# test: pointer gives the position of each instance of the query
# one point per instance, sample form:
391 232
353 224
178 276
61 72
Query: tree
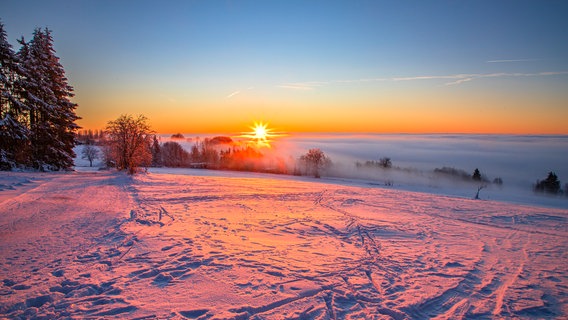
314 161
195 154
549 185
208 154
156 153
173 155
90 152
477 194
51 114
476 175
177 136
498 181
14 133
385 162
129 142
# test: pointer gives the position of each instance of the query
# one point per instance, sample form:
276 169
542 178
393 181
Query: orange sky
425 108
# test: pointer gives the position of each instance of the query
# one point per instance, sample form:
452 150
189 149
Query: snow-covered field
214 245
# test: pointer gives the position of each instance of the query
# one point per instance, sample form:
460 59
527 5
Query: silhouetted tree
314 161
549 185
177 136
476 175
477 194
385 162
129 142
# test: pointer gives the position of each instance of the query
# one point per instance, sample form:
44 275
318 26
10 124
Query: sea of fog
519 160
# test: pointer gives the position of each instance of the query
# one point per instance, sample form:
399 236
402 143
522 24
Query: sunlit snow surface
159 245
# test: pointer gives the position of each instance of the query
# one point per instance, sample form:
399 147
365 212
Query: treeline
128 144
37 118
550 185
210 153
89 136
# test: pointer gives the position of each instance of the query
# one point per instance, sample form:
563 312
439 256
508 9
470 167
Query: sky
311 66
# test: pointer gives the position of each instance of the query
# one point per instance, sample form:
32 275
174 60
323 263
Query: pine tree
156 153
476 175
51 113
549 185
13 130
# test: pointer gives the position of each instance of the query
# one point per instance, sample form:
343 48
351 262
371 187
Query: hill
227 245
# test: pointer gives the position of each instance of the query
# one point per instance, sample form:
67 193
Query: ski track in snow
106 245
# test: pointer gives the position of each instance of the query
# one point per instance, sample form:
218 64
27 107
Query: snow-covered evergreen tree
51 113
13 129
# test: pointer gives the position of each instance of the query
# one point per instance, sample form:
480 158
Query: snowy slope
240 246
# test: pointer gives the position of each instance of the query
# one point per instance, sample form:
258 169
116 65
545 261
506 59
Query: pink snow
225 245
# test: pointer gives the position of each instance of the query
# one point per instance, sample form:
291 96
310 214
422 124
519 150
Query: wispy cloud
511 60
452 79
303 85
469 77
363 80
234 93
458 82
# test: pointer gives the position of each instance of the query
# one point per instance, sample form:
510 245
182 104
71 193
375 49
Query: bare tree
479 189
90 152
129 142
314 161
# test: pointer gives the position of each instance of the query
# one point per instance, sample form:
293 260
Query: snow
212 244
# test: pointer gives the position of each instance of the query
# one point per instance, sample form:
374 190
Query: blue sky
214 65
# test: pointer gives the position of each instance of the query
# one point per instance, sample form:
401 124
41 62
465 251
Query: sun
260 131
261 135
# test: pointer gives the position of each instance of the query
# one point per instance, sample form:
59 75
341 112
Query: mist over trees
37 118
129 143
90 136
384 162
